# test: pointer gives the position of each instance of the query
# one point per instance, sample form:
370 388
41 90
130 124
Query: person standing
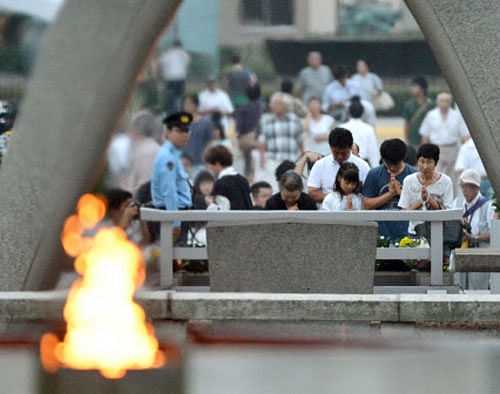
296 105
173 68
338 93
426 189
363 134
236 81
383 186
318 127
170 188
314 78
247 124
214 100
229 183
202 134
281 137
443 126
324 172
415 110
291 197
370 83
144 150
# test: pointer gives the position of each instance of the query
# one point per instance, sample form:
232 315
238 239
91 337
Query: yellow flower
405 242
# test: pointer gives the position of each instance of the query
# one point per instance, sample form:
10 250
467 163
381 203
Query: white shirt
319 128
174 64
368 84
226 172
369 116
334 202
468 159
215 100
461 203
443 133
364 136
441 191
336 92
324 172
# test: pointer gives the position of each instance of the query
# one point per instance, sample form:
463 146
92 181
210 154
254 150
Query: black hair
219 154
203 176
193 98
255 189
291 181
284 166
411 155
340 72
287 86
235 58
363 60
313 98
422 82
253 92
356 109
428 151
219 126
350 172
393 151
340 138
116 197
187 156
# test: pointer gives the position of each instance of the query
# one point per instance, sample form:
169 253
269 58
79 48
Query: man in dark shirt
229 183
383 184
201 133
291 197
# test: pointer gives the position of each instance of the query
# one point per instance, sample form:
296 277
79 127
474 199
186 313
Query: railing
433 253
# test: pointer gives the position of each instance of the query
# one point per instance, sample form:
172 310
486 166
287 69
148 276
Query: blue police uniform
169 183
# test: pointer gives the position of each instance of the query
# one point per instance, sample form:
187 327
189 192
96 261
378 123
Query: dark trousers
173 96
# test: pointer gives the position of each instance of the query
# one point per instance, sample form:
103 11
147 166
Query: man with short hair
338 93
314 78
415 110
363 134
382 187
169 184
324 172
215 100
173 67
261 192
291 197
445 127
280 137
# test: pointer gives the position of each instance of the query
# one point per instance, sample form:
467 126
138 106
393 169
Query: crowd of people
316 150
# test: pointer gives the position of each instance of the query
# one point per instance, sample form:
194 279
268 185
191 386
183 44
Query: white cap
472 177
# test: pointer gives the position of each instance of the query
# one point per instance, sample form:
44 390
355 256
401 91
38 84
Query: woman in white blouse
370 83
318 127
427 189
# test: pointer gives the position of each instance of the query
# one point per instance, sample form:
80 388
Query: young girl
345 195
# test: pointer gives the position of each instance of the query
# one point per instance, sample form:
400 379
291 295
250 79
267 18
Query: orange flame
106 330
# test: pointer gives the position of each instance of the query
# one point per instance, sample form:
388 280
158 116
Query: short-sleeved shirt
410 109
377 184
364 136
468 159
313 82
441 191
281 136
169 184
324 172
335 202
336 92
368 84
237 84
201 134
317 128
443 133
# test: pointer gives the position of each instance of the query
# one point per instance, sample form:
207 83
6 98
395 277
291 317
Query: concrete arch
83 79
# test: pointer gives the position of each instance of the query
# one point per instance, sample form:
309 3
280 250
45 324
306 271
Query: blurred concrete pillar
322 16
82 81
463 34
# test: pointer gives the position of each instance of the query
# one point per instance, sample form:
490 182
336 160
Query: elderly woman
426 189
291 197
370 83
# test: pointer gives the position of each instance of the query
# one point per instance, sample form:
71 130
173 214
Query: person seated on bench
291 197
478 211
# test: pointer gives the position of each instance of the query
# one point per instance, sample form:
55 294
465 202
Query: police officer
169 184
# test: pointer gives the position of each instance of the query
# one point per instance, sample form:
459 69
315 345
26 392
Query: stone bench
477 260
292 256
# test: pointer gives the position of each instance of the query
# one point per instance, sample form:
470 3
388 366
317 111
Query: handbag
247 141
383 102
452 232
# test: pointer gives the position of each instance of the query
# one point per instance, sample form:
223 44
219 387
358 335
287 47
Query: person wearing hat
477 210
170 188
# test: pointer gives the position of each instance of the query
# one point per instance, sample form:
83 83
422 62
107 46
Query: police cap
181 120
